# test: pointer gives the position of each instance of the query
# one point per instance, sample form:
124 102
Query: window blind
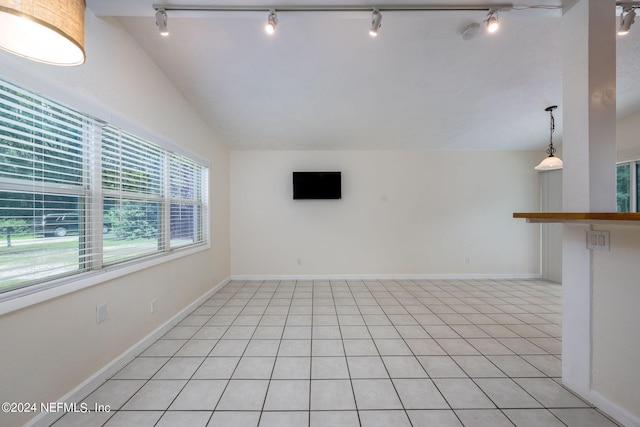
44 188
77 194
187 201
133 191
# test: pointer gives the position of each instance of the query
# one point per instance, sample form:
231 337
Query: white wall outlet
101 313
598 240
154 305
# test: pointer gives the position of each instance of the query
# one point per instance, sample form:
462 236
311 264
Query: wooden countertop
580 217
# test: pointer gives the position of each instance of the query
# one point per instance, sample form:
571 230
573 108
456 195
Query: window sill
25 297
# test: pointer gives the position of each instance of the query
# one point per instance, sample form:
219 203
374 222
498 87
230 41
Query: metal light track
505 7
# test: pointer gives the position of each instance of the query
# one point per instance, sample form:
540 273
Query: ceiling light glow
272 22
492 21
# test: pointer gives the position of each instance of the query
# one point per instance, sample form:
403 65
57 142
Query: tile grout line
146 381
346 359
513 303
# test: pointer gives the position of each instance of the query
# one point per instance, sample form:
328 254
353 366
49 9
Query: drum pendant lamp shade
49 31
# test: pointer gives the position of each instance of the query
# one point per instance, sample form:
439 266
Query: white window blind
132 186
77 194
188 201
44 184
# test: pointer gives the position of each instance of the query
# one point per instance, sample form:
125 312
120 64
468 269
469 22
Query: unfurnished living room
311 213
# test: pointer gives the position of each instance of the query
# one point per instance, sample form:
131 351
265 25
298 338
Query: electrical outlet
154 305
101 313
598 240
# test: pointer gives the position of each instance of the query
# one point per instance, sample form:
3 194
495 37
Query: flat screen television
317 185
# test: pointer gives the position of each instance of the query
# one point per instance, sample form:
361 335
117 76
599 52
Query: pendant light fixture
551 162
45 31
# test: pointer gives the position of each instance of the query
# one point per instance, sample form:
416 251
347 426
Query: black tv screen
317 185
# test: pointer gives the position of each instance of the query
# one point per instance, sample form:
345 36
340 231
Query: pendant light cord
551 150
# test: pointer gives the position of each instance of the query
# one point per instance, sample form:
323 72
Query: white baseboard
94 381
616 412
386 277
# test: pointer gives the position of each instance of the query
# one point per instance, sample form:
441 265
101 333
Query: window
623 193
636 186
78 195
628 189
188 201
133 193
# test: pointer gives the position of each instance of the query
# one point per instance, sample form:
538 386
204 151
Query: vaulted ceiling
321 82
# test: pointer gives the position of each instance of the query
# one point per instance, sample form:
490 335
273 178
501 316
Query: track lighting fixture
551 162
376 22
492 21
626 21
272 22
161 22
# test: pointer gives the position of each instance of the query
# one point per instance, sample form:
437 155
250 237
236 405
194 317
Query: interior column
589 173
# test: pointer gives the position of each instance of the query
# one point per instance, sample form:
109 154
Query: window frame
94 271
634 169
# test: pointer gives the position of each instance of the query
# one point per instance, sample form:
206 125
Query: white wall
615 376
551 236
402 212
616 342
50 348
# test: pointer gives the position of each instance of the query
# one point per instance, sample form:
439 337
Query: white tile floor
354 353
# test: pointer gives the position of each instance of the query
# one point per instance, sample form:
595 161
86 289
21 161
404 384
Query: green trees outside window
78 194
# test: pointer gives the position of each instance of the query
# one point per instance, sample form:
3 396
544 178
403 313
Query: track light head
492 21
376 22
161 22
626 21
272 22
